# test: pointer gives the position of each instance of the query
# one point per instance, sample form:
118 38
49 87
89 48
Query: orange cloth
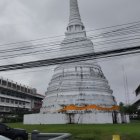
89 107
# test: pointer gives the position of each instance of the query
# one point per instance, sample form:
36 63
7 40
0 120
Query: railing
36 135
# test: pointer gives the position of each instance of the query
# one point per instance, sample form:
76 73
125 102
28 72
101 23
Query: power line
72 59
31 71
45 45
98 60
132 28
108 27
45 51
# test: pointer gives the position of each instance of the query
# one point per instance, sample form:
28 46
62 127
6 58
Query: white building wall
94 118
57 118
45 119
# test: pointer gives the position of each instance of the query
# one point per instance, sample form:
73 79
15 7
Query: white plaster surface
57 118
45 119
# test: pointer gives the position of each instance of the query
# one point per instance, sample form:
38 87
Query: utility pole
125 80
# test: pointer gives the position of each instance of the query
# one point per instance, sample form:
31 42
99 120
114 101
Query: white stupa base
59 118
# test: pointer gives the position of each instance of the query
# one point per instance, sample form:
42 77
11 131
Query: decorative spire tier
75 23
75 37
74 18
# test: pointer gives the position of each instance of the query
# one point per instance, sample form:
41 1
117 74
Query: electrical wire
45 51
71 59
43 45
99 35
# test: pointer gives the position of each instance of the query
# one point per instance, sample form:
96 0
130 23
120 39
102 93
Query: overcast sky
22 20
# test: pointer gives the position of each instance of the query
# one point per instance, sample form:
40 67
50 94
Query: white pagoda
78 92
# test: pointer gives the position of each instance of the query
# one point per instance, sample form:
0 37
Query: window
9 84
7 108
1 108
16 102
22 89
25 89
18 87
14 86
7 100
12 101
2 99
29 91
4 82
